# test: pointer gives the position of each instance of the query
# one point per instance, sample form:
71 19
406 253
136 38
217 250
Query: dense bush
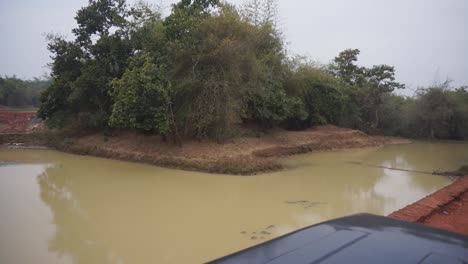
141 97
320 95
437 112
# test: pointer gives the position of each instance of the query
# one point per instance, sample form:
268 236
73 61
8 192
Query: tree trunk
176 135
376 118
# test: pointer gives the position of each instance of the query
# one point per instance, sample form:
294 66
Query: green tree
142 97
344 67
98 18
185 15
83 69
229 64
367 87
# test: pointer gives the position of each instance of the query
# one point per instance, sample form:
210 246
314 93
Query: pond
62 208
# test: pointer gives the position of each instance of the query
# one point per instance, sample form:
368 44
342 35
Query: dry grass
240 156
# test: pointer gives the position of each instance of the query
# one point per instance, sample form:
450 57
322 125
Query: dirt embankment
242 156
19 122
445 209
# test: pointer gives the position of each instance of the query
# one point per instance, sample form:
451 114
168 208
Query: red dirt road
445 209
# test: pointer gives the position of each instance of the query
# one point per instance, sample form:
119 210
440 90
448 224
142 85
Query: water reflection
74 236
423 156
107 211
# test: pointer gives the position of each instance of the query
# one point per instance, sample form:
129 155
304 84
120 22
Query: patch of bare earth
445 209
19 122
452 217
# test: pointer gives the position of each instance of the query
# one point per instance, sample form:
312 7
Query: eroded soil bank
445 209
241 156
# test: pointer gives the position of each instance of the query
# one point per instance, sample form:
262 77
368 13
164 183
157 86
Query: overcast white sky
425 40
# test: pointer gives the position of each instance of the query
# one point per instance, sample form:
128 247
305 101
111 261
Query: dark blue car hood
360 238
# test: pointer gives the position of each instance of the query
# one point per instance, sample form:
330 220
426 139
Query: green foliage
67 58
344 67
98 18
365 88
54 104
218 62
15 92
439 112
142 97
229 64
83 69
208 68
273 106
185 15
391 120
320 94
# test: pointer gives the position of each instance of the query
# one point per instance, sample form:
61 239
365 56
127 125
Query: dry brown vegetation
241 156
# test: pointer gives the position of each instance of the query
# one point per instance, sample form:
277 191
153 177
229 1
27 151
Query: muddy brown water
62 208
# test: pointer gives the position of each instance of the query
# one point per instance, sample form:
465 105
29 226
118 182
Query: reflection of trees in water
361 188
394 188
360 196
422 156
379 190
74 236
416 160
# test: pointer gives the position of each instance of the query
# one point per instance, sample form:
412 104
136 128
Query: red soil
19 122
453 217
446 209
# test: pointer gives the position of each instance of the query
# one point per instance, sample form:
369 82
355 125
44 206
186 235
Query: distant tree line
210 68
439 111
15 92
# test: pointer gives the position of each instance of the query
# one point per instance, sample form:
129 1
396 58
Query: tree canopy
209 68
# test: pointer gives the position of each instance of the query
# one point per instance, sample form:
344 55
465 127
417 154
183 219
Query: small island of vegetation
135 85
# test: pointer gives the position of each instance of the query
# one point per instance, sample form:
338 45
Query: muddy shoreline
240 156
